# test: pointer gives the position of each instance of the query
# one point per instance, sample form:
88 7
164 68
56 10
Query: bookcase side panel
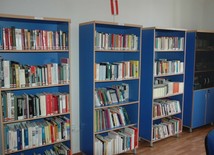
146 96
189 80
86 63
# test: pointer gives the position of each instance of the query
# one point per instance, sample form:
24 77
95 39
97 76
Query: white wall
189 14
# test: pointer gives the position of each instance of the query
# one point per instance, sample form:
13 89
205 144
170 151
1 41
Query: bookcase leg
177 135
212 123
190 130
151 144
135 151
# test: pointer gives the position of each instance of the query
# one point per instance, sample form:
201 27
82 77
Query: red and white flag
114 7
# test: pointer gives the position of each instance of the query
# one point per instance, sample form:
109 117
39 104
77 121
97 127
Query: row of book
20 107
111 95
116 70
110 118
163 87
165 107
204 44
16 75
168 127
58 149
116 142
13 38
164 66
169 43
26 135
108 41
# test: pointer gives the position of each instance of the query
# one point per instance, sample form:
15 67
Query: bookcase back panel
133 116
170 56
35 58
175 78
116 56
42 90
168 33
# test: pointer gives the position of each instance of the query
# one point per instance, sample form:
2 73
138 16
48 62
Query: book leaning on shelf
20 107
168 127
30 134
116 142
12 38
58 149
16 75
111 118
111 95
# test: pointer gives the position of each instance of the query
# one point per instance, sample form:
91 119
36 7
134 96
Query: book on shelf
116 70
165 107
16 75
167 127
116 142
163 87
26 135
20 107
111 95
107 41
110 118
13 38
164 66
169 43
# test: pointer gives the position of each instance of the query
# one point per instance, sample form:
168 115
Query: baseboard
79 153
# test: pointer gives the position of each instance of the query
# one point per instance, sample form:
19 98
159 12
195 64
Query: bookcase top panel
161 28
110 23
34 18
201 31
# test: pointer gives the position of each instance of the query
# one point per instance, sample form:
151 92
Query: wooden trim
34 18
78 153
161 28
110 23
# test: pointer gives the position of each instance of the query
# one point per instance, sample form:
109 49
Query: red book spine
48 106
55 103
116 7
112 6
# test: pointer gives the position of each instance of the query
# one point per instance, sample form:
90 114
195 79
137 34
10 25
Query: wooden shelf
117 104
35 118
30 51
156 118
11 152
34 87
113 129
116 80
173 74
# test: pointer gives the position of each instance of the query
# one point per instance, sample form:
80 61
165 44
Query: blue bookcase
119 44
48 45
198 102
163 59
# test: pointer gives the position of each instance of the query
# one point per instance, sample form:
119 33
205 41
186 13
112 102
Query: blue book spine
43 135
26 137
1 37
